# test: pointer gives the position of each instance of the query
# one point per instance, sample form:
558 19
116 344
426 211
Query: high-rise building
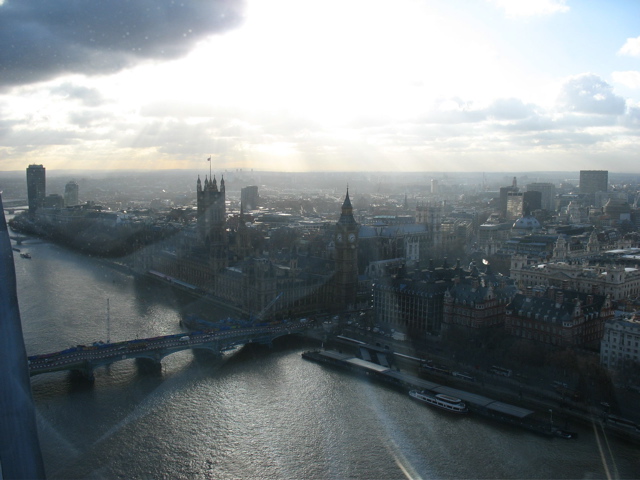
36 186
515 205
249 197
71 193
531 201
592 181
548 191
504 193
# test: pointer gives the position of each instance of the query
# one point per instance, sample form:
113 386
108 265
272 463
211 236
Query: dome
528 222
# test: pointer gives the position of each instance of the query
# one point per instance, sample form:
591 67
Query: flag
209 159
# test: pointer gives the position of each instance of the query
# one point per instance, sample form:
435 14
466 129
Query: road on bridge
85 358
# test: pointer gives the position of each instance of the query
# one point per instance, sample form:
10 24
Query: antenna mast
108 324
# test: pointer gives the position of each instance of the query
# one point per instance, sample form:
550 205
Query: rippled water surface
255 413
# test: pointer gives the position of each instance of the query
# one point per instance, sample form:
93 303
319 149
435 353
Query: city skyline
324 86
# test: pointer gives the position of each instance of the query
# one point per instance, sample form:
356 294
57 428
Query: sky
321 85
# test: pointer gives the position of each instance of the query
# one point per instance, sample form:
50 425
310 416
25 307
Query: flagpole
209 160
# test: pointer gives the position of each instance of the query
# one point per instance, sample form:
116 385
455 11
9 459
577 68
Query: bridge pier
205 354
148 365
84 374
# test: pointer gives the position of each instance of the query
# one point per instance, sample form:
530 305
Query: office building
592 181
532 201
504 193
71 193
548 193
36 187
249 197
515 205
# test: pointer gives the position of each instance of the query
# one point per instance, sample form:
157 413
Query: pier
478 404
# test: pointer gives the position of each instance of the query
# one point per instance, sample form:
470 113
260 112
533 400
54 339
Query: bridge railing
155 348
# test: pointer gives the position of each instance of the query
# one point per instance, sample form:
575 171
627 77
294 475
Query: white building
617 281
620 342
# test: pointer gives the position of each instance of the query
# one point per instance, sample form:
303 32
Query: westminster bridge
84 359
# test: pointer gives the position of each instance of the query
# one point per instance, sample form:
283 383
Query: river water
257 412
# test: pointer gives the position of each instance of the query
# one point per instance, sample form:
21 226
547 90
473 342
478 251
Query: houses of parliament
208 259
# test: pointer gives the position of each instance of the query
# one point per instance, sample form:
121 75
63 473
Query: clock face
339 237
352 237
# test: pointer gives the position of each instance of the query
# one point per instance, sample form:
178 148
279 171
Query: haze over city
332 86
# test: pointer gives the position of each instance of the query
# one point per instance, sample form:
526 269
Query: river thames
257 412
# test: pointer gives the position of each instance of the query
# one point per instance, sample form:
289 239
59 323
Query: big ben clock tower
346 241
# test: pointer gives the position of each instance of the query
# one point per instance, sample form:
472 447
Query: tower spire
346 216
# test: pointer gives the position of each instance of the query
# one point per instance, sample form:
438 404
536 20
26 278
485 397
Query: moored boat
441 401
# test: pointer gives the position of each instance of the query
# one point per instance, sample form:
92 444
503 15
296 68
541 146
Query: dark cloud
588 93
90 97
40 39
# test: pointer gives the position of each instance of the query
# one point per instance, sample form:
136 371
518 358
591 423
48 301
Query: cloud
588 93
631 47
528 8
40 39
632 119
510 109
89 97
630 79
452 111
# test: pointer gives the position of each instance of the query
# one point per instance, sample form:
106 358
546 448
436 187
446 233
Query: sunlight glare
332 62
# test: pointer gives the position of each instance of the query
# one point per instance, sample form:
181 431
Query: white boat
442 401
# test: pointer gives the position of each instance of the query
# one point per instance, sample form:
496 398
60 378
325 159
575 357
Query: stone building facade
478 301
201 259
620 343
559 317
